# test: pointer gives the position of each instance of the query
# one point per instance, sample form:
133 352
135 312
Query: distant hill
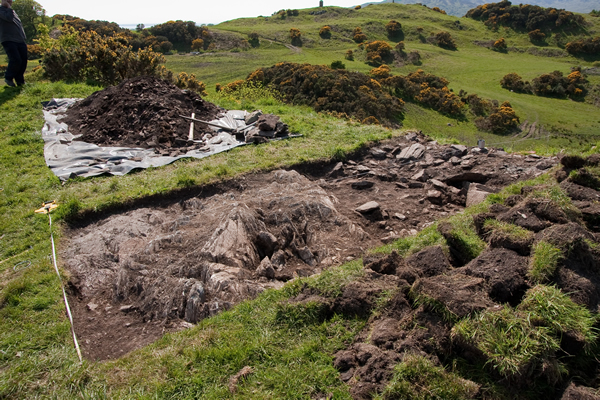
459 8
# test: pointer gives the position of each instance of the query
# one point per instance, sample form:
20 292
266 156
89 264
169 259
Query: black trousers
17 61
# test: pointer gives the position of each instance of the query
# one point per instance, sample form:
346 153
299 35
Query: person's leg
20 78
14 60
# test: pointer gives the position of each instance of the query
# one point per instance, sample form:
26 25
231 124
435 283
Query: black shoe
9 82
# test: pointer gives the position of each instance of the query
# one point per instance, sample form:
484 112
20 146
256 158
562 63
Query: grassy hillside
292 358
459 8
472 68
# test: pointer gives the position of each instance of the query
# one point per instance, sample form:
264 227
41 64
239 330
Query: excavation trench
155 269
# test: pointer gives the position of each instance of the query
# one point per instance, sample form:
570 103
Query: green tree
31 14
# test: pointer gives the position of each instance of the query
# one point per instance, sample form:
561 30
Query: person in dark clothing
14 41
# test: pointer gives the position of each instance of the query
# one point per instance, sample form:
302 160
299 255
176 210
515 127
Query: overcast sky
127 12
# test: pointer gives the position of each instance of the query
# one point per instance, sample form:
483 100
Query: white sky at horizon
133 12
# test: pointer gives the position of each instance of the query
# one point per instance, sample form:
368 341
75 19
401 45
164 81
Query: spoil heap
141 112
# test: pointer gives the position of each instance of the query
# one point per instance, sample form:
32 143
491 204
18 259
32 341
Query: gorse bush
589 46
429 90
554 84
514 82
358 36
185 81
296 36
444 40
325 32
393 28
525 17
500 45
347 93
503 119
378 52
437 9
537 36
198 44
88 56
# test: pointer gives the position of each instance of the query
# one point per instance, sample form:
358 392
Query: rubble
196 256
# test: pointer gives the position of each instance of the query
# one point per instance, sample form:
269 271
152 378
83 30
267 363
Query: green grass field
37 359
472 68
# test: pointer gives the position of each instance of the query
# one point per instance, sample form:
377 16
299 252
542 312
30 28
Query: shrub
165 47
377 52
537 36
325 32
185 81
555 84
503 120
400 46
340 91
338 65
349 55
514 82
198 44
500 45
233 86
181 33
439 10
295 34
590 46
292 13
478 106
430 90
381 72
82 56
370 121
525 17
357 7
253 39
34 51
358 36
445 40
393 28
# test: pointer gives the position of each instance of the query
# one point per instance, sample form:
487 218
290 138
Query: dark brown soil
155 269
504 272
140 112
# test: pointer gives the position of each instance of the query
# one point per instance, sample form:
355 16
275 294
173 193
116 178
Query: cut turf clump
548 306
521 344
462 239
513 348
509 236
418 378
544 262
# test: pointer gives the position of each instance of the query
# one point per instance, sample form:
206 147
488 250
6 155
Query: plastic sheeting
69 158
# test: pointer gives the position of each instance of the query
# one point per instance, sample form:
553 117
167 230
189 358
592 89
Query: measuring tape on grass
47 208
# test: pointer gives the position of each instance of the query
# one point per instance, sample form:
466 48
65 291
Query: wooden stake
191 137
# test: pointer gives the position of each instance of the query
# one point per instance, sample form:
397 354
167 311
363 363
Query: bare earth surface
151 270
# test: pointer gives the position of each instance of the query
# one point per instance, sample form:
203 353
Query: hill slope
473 68
459 8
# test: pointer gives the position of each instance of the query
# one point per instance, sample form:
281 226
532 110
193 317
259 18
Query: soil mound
140 112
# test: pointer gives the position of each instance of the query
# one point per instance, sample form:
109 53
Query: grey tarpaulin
69 158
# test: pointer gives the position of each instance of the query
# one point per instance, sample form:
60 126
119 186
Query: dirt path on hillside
151 270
